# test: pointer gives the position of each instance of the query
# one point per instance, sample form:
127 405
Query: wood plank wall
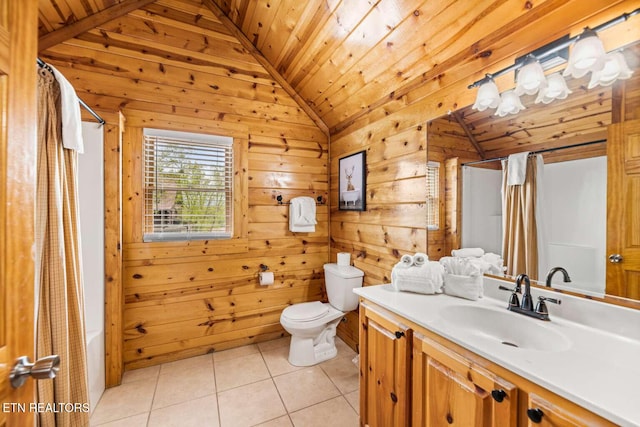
163 71
394 135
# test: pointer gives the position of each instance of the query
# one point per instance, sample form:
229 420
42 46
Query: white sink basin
511 329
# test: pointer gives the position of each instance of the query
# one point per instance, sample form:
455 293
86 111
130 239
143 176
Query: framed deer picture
352 183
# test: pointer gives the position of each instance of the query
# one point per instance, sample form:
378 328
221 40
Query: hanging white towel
302 215
71 119
517 164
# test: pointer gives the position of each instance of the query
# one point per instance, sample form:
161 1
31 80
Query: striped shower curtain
60 324
519 222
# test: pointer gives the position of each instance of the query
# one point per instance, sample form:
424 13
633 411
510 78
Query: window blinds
188 182
433 196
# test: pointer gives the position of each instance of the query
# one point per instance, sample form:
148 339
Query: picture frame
352 185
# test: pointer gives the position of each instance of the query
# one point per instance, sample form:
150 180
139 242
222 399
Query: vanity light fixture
587 55
615 68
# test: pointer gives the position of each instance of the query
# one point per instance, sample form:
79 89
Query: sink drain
510 344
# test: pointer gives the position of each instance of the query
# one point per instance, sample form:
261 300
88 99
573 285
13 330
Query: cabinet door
384 370
541 412
449 390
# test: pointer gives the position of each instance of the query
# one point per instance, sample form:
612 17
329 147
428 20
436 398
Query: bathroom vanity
435 360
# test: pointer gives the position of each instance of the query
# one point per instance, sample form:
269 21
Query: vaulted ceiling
340 59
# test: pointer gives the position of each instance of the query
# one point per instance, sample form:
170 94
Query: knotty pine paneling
187 298
362 123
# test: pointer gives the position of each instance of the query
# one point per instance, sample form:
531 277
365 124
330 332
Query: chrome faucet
526 307
553 271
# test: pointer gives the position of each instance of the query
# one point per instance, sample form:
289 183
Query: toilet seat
306 311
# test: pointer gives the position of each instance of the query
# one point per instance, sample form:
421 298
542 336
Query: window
188 183
433 196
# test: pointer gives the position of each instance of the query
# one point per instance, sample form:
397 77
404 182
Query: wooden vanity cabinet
448 389
410 376
385 369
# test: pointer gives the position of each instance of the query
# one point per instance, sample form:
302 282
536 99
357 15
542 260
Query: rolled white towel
406 261
467 252
420 259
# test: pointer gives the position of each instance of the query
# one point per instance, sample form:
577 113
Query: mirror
573 209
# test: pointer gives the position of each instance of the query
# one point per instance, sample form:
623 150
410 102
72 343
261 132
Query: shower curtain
60 324
519 224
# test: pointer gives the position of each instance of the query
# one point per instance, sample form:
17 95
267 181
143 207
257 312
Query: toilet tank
340 281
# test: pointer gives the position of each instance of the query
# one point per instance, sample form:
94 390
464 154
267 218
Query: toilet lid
305 311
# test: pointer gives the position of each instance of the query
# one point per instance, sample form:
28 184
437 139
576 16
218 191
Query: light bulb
488 96
531 77
556 89
509 104
588 54
615 67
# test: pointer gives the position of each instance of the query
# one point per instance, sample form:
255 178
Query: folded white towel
302 215
496 263
468 287
460 266
426 279
420 259
517 168
71 118
467 252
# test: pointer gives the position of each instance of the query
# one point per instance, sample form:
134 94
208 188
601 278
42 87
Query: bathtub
350 196
95 366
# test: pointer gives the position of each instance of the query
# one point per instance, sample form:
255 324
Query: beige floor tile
239 371
278 422
250 404
135 421
304 388
344 350
245 350
343 372
277 361
272 344
335 413
124 401
354 400
180 366
176 386
144 374
193 413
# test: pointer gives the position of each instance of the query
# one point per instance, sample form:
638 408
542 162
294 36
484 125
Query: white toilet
312 325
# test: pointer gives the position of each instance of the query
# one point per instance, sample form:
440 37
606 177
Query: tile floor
247 386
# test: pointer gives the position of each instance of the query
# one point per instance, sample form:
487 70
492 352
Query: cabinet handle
535 415
498 395
399 334
394 397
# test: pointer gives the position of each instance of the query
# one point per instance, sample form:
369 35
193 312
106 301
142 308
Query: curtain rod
548 150
46 66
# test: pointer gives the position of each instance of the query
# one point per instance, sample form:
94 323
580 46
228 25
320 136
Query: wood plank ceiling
343 58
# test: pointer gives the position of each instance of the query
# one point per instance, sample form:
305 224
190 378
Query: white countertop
599 369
